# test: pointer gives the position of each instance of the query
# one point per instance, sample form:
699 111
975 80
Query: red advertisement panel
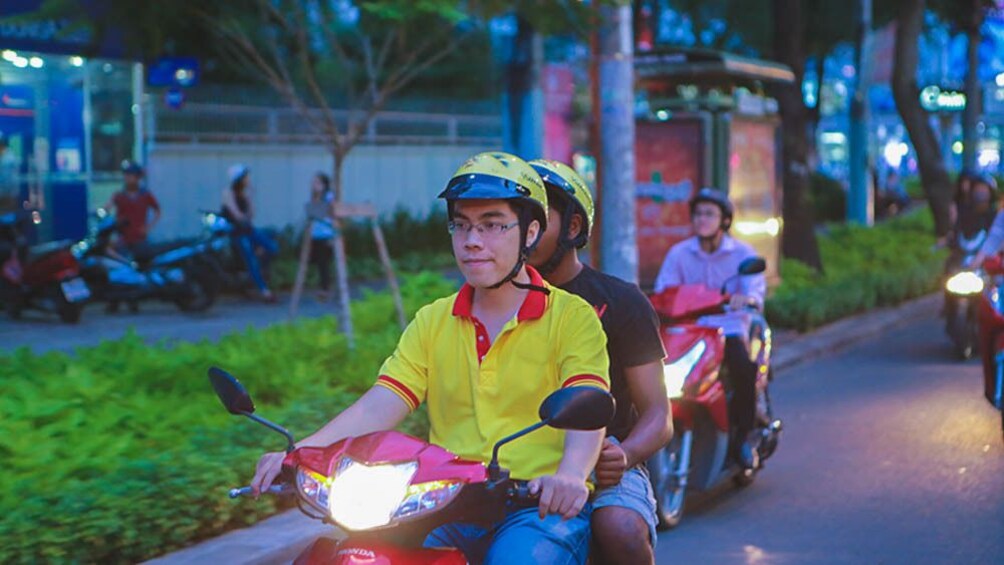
668 157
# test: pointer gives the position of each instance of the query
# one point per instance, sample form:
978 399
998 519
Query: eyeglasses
488 229
712 214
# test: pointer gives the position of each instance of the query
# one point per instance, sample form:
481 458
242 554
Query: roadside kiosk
708 122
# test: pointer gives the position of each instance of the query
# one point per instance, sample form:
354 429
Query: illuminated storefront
67 123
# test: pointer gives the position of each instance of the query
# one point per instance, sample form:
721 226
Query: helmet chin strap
524 253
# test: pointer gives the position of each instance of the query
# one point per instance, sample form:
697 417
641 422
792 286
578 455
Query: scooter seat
147 253
39 251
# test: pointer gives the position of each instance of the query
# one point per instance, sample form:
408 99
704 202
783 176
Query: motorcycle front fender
326 551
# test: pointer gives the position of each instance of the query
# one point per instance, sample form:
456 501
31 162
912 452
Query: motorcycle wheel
69 312
200 291
963 335
665 471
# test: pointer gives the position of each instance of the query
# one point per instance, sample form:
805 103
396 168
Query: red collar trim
533 306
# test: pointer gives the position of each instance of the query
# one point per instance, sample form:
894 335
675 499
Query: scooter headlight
362 497
964 283
675 373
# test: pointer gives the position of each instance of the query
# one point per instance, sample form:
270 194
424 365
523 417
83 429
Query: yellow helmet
496 175
564 178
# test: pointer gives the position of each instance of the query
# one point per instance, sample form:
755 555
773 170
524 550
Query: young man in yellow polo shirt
483 359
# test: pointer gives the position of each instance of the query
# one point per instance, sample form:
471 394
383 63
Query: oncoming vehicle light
966 282
675 373
361 497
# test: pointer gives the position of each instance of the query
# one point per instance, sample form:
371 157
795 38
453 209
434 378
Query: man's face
132 180
706 220
980 196
486 258
548 240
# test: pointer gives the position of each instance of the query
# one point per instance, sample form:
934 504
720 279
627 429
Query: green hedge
865 268
122 452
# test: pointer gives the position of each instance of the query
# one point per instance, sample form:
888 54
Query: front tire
69 312
200 291
668 470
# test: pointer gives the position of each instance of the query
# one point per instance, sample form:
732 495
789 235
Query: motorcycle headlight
361 497
426 497
966 282
675 373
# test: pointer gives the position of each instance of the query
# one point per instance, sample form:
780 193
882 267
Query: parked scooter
181 271
962 289
44 277
698 457
229 267
991 337
388 490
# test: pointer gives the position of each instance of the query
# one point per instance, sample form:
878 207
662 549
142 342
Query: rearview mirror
577 408
233 395
752 266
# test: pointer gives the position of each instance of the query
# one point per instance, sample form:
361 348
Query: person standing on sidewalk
624 516
322 234
136 206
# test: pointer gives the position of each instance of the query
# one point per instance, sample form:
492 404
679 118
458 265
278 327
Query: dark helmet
132 168
718 198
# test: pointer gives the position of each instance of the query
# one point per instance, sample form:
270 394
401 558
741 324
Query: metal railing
224 123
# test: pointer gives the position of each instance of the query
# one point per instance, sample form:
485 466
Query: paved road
890 455
156 321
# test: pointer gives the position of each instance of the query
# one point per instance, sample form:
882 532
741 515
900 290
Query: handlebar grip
248 491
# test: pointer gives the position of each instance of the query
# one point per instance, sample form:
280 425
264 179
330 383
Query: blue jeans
521 537
247 243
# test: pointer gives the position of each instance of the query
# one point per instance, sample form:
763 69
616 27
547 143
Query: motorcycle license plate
75 290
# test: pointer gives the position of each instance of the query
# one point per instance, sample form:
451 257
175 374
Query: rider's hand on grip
560 494
269 467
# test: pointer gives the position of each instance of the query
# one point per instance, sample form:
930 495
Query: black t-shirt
632 329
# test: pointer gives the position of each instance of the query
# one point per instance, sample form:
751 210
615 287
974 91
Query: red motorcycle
698 457
45 277
388 490
990 316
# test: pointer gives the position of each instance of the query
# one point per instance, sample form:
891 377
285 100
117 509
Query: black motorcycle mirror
748 266
576 408
237 400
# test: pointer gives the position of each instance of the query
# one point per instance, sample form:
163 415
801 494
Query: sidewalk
281 538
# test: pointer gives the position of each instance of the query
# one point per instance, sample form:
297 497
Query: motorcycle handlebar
278 490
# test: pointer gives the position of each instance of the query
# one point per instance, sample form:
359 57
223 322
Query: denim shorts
634 492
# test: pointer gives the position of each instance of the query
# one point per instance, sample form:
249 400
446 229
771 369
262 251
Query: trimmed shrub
865 268
122 451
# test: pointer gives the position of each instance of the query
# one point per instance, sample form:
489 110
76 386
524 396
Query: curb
847 332
281 538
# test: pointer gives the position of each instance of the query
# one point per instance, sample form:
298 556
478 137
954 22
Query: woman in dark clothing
322 234
237 208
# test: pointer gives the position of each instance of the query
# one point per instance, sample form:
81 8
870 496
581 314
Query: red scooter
388 490
991 336
45 277
698 457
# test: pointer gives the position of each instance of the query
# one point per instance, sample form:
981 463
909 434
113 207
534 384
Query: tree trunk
974 98
341 256
523 99
798 240
619 243
815 114
933 176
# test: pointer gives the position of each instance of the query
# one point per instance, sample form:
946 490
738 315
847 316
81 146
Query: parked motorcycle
179 271
229 267
698 457
44 277
991 337
388 490
962 289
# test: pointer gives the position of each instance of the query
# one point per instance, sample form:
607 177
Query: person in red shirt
134 205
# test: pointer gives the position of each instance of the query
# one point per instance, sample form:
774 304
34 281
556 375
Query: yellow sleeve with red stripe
406 371
582 351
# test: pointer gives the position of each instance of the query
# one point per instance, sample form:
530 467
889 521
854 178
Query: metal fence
224 123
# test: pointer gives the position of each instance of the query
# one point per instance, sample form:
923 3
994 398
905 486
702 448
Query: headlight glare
675 373
361 497
965 282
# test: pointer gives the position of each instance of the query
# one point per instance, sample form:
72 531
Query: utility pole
616 164
859 198
973 88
